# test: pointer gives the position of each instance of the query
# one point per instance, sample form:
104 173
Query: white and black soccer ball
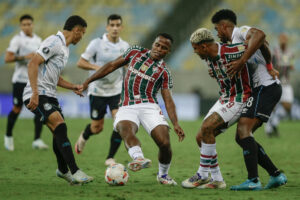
116 174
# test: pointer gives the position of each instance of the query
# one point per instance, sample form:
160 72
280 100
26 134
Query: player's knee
242 129
165 144
96 129
17 109
206 130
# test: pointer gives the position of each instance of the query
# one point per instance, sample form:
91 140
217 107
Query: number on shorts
250 101
230 104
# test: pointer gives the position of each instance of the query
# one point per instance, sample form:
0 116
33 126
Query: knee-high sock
62 165
64 146
38 125
115 142
87 132
11 119
265 161
250 156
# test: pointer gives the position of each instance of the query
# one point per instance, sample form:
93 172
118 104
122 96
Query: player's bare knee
96 129
17 109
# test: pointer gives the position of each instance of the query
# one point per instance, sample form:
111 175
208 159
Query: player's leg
116 139
97 112
38 143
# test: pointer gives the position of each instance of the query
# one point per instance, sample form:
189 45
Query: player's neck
215 51
112 39
68 37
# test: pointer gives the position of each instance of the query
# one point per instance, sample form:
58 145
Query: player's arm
67 85
266 52
106 69
12 57
171 109
33 67
84 64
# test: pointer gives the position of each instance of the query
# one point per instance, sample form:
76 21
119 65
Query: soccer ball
116 174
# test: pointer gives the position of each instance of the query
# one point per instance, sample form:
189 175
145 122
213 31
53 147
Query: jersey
283 60
256 63
56 54
143 78
237 88
99 52
22 45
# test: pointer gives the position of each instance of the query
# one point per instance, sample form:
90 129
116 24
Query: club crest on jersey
47 106
46 50
144 67
241 48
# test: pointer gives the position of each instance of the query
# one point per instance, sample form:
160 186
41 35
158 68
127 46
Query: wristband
269 66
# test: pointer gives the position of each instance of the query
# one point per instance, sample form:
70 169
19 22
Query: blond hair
201 35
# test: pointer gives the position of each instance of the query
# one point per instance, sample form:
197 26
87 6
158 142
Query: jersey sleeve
91 50
14 45
167 81
243 30
49 47
131 51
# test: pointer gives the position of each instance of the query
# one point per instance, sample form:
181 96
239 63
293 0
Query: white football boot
9 143
139 163
165 180
39 144
79 146
110 161
194 181
67 176
81 178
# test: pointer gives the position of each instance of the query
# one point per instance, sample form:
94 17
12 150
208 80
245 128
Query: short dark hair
26 16
114 17
73 21
224 14
166 35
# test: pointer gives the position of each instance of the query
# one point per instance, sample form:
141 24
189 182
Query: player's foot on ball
67 176
213 185
39 144
79 146
81 178
110 161
247 185
139 163
276 181
9 143
165 180
194 181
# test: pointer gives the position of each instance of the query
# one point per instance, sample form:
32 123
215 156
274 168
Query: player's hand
78 90
274 73
178 130
211 73
234 67
34 102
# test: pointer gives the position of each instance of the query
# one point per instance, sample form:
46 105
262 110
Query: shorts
262 102
18 89
47 106
147 114
98 105
287 93
230 112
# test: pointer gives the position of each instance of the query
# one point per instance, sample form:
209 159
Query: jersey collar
62 37
107 40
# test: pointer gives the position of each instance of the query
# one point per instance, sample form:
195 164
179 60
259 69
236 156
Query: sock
87 132
206 152
11 119
135 152
62 165
38 125
265 161
250 156
163 169
115 142
64 146
215 171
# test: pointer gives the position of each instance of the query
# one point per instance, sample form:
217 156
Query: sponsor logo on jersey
47 106
138 73
241 48
144 67
46 50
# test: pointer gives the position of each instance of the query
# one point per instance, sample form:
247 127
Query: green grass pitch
30 174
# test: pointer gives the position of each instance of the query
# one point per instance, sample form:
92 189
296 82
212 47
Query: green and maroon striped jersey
144 77
237 88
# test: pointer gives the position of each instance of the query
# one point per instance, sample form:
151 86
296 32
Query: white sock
135 152
163 168
215 171
206 153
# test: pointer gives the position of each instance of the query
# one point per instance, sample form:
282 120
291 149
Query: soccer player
40 93
20 50
147 73
283 60
265 95
234 93
104 92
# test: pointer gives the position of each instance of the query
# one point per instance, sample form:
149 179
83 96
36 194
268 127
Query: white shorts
147 114
230 112
287 93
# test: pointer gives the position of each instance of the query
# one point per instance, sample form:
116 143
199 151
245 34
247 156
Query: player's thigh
113 103
151 116
246 126
54 120
126 129
98 107
124 114
160 134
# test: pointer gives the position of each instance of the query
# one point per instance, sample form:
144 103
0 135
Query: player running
40 93
146 75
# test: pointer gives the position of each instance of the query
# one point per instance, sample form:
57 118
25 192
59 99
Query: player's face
221 29
78 32
200 50
114 28
160 48
27 26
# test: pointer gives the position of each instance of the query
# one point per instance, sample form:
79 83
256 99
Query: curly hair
224 14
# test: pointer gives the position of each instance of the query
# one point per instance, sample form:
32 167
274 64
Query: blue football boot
276 181
247 185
